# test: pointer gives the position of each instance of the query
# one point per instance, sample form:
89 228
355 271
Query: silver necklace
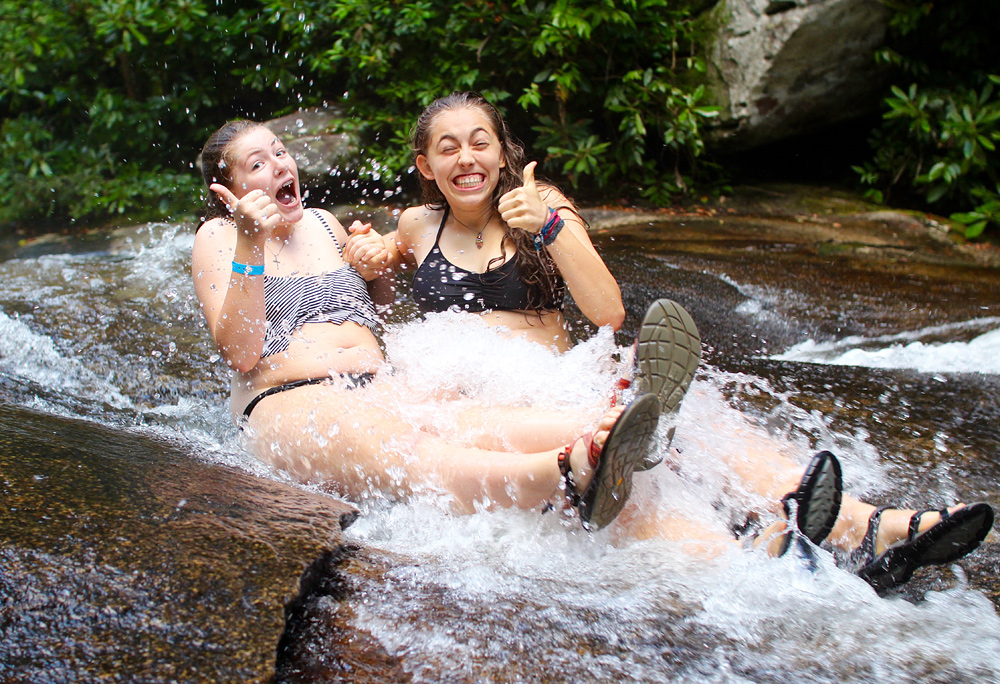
479 235
283 243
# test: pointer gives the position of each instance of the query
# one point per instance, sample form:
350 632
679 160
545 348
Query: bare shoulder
417 224
214 234
419 216
214 227
327 216
331 221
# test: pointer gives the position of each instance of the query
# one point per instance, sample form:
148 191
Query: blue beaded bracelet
248 269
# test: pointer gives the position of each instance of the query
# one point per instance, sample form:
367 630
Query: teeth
468 182
286 193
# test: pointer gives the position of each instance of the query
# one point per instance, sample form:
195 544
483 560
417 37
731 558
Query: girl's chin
470 196
292 214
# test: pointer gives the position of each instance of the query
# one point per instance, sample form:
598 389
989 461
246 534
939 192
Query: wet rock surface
126 559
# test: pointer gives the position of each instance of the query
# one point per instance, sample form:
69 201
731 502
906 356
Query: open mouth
472 180
286 194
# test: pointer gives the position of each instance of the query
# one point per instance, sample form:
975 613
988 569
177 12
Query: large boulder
128 558
328 161
781 68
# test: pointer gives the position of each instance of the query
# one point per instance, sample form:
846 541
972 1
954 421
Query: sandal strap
566 470
914 528
593 451
865 553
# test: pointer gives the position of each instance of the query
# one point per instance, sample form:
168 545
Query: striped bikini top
334 297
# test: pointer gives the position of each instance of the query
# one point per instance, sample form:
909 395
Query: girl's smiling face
260 161
463 157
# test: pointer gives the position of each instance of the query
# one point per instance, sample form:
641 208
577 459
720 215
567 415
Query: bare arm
590 282
233 303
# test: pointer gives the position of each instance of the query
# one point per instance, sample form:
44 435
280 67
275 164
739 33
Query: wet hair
538 271
217 163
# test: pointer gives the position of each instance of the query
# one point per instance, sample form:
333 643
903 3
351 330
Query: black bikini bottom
354 380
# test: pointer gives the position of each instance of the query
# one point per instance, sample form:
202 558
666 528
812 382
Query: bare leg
767 471
524 429
637 522
323 433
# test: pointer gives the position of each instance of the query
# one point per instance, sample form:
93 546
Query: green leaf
975 230
936 193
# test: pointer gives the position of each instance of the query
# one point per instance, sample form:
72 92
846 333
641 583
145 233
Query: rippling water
921 350
111 333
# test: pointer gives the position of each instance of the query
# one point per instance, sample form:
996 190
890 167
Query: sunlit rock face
781 69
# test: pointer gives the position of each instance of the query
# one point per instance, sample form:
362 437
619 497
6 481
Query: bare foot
579 457
773 538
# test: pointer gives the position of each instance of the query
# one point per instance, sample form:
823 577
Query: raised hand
366 250
255 213
523 207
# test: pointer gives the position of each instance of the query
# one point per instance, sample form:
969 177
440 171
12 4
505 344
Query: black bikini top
439 285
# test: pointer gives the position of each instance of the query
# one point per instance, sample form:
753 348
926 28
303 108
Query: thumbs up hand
255 213
523 207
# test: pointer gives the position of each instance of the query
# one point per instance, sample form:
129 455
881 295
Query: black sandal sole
823 479
945 542
625 447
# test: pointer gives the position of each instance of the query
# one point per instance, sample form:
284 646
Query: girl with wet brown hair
489 239
296 325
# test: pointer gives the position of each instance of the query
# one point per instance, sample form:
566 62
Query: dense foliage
937 145
602 89
105 103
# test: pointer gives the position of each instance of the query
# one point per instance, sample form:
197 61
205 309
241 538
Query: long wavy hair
538 271
217 163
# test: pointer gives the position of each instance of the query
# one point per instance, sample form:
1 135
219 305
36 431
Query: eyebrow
449 136
260 150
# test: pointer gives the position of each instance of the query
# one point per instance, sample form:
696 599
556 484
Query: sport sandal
667 354
818 497
955 535
817 501
611 484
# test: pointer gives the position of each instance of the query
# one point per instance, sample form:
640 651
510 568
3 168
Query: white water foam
34 358
525 594
143 271
910 350
517 587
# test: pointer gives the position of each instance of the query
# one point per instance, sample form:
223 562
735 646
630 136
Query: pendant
479 240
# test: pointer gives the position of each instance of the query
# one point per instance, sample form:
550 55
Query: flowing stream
892 366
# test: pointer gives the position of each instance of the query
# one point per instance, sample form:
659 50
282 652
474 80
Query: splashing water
981 354
515 595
